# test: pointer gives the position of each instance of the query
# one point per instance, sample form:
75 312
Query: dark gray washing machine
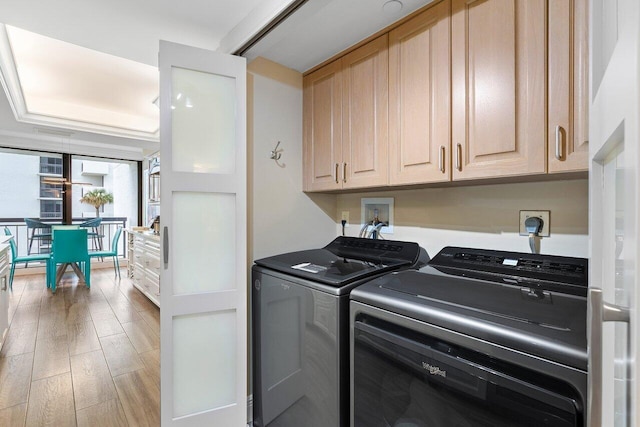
300 320
477 338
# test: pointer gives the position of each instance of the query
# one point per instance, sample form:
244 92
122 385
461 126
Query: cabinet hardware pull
4 283
441 164
558 142
458 157
344 172
165 246
337 166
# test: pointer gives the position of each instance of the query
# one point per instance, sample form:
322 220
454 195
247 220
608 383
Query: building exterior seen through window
31 196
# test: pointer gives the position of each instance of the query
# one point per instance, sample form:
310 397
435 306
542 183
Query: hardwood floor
81 357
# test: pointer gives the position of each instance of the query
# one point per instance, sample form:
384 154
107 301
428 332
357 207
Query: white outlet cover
385 211
546 224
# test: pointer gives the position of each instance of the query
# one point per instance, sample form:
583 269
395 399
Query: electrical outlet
543 215
345 216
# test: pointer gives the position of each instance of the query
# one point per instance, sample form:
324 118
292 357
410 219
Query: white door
614 275
203 296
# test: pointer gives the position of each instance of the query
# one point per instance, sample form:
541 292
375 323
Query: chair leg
48 274
87 273
115 258
54 277
13 269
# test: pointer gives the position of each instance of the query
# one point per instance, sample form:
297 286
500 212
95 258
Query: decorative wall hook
275 154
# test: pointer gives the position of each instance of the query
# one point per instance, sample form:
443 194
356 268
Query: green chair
26 258
96 237
39 231
112 253
69 246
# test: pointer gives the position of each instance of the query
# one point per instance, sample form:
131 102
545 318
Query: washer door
295 345
405 379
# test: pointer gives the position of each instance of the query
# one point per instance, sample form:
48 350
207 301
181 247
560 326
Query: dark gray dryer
477 338
300 310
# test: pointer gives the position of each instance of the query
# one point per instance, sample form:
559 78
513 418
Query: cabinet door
419 98
322 145
568 86
365 115
498 84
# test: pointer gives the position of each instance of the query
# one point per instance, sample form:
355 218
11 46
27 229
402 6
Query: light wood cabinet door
365 102
498 88
419 98
568 86
322 123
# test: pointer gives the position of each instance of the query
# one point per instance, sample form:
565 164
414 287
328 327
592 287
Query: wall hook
275 154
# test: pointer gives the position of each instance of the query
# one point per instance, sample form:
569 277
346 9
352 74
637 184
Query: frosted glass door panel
206 224
204 354
203 119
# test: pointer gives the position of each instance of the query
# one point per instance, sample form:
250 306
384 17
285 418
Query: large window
34 192
117 177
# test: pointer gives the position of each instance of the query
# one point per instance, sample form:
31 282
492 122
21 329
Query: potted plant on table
97 198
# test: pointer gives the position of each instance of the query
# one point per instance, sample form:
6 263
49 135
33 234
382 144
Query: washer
300 310
477 338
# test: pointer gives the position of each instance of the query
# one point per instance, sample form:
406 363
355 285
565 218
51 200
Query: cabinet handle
344 172
337 166
4 283
458 157
558 143
441 163
165 246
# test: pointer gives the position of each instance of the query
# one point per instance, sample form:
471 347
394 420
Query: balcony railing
21 234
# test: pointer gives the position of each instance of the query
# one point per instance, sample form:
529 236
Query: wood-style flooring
81 357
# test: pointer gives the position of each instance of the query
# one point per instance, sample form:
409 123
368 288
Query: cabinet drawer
152 261
4 260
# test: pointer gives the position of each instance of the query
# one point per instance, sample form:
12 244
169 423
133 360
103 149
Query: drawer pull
441 159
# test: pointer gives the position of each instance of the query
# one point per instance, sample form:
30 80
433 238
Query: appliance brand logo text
434 370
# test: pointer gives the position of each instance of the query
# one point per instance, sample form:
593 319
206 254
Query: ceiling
89 68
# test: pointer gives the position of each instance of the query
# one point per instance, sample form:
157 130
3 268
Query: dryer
300 311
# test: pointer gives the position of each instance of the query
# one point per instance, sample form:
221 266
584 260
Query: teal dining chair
69 246
112 253
93 225
15 259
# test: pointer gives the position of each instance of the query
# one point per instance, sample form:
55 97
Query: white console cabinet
144 263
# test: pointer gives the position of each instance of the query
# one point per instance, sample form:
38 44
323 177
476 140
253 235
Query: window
51 165
51 209
50 191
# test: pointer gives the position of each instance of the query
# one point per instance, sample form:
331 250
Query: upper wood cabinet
322 124
419 98
568 126
365 104
498 88
465 89
345 119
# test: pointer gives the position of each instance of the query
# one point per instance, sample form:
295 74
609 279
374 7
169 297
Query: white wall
20 189
282 218
484 216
